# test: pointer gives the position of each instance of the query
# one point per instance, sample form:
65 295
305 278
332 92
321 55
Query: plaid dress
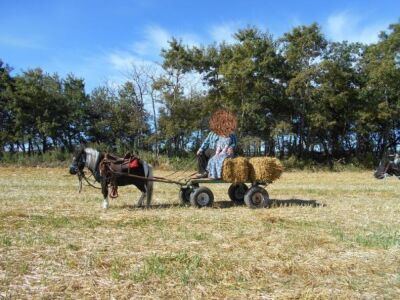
212 140
214 166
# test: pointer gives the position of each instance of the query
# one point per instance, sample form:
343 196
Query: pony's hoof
106 205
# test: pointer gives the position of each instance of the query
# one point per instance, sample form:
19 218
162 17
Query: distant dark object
388 166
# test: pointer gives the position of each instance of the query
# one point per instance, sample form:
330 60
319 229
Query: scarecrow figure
220 143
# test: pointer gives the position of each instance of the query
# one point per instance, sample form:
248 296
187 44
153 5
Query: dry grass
56 243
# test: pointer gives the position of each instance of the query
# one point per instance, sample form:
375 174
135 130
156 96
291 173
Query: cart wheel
201 197
184 195
256 197
237 191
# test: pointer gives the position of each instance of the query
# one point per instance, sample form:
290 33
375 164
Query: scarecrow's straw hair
265 169
223 122
236 170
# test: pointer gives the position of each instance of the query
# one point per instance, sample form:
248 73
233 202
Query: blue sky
99 40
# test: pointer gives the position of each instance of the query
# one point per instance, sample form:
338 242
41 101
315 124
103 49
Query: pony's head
78 161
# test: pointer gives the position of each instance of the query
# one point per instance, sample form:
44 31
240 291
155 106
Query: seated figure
215 164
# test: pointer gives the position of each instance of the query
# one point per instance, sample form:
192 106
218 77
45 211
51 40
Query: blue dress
214 166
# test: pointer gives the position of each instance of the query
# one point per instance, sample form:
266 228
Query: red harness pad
134 163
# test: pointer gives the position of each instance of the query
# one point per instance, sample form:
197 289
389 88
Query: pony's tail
149 186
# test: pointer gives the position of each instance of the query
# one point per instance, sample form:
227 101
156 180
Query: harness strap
81 175
110 176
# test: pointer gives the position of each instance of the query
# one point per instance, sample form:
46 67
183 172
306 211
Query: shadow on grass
296 202
152 206
229 204
274 203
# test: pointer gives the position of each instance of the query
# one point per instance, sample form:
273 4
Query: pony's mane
92 156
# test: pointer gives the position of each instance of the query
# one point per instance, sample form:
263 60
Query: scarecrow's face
223 123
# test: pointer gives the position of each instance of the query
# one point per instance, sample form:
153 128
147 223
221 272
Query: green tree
182 105
100 115
75 105
129 122
252 84
333 115
33 108
379 118
303 48
245 77
7 122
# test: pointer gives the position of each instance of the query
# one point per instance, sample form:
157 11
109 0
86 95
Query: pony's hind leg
149 186
141 198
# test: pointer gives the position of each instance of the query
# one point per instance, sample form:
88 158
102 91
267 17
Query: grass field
56 243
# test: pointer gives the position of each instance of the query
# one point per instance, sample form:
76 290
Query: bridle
78 163
76 168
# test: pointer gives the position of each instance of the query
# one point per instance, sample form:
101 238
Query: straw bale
236 170
264 169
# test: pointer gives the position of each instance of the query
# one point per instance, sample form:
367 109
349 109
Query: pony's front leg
104 190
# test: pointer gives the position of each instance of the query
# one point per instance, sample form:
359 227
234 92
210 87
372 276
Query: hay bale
264 169
236 170
256 169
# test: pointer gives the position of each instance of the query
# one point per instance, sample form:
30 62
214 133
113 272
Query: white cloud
155 39
144 53
112 66
354 28
122 60
122 63
224 32
295 21
20 42
158 35
190 39
337 24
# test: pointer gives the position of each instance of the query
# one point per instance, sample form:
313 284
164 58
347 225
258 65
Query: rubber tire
236 188
261 202
200 195
184 195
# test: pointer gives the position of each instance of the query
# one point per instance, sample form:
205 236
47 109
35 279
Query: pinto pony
91 159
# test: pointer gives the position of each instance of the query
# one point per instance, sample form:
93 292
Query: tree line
297 95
